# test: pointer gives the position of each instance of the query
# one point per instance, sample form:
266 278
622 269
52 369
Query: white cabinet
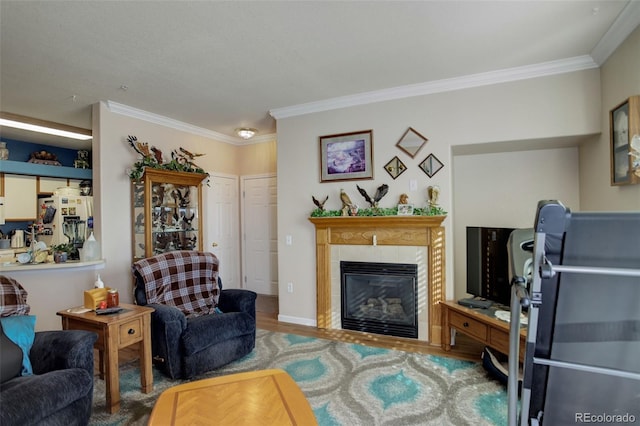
46 185
20 195
75 183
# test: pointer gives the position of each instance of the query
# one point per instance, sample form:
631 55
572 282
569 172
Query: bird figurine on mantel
319 204
347 205
380 192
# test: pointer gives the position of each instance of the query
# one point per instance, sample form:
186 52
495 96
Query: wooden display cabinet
167 212
624 124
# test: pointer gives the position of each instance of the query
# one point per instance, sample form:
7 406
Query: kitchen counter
69 264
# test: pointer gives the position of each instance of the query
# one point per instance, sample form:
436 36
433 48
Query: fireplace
380 298
368 234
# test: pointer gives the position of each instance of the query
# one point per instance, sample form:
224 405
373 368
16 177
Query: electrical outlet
288 240
290 287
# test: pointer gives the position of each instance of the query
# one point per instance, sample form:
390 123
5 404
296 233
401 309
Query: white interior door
222 230
259 230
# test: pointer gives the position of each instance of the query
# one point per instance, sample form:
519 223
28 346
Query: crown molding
625 23
184 127
544 69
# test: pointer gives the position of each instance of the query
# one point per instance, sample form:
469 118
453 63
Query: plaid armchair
196 326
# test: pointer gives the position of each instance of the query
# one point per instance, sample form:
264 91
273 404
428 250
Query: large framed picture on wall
346 156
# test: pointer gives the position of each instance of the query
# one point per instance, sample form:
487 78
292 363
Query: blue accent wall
21 151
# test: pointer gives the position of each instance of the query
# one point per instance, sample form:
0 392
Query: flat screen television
488 266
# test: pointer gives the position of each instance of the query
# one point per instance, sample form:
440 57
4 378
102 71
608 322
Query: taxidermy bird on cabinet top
320 204
380 192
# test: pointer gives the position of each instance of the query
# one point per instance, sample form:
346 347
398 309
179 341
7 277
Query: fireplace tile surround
388 254
379 297
403 239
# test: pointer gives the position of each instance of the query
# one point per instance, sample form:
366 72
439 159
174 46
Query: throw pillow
20 329
13 298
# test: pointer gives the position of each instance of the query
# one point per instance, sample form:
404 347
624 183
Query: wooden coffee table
116 331
264 397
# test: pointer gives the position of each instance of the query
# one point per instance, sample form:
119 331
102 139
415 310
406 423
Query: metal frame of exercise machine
582 291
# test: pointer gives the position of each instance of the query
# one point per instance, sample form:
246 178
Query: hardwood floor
267 319
465 348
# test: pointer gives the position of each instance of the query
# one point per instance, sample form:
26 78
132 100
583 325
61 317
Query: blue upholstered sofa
60 392
197 326
57 388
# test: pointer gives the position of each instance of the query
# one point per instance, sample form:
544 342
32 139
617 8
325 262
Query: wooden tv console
478 325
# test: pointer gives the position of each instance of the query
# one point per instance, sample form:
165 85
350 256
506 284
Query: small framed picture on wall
624 125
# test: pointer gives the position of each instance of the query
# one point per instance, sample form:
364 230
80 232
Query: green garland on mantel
379 211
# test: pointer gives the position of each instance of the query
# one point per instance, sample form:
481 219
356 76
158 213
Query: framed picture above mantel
346 156
624 126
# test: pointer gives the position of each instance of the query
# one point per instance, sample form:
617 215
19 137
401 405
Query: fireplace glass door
379 298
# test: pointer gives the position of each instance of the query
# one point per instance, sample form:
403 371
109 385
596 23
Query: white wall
620 79
503 189
52 291
509 114
533 109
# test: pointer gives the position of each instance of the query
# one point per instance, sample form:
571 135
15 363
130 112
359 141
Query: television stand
479 324
476 302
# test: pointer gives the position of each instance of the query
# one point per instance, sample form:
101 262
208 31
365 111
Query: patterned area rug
346 384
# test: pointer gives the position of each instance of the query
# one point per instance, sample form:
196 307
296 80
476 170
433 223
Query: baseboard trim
297 320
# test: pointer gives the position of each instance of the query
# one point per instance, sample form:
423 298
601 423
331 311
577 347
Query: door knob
214 244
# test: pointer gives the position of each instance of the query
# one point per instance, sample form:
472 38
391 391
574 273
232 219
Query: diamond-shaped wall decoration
395 167
411 142
431 165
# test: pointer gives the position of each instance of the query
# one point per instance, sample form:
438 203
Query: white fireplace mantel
424 231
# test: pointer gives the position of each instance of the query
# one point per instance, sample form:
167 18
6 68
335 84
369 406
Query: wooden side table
477 325
116 331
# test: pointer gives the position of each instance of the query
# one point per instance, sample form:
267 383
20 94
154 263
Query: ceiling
218 65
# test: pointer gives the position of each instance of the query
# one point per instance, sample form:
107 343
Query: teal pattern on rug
366 351
490 406
395 389
295 339
346 384
306 370
451 364
323 416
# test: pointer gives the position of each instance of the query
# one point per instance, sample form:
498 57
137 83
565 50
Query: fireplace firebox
380 298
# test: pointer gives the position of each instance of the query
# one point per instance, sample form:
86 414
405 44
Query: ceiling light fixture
246 132
40 126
